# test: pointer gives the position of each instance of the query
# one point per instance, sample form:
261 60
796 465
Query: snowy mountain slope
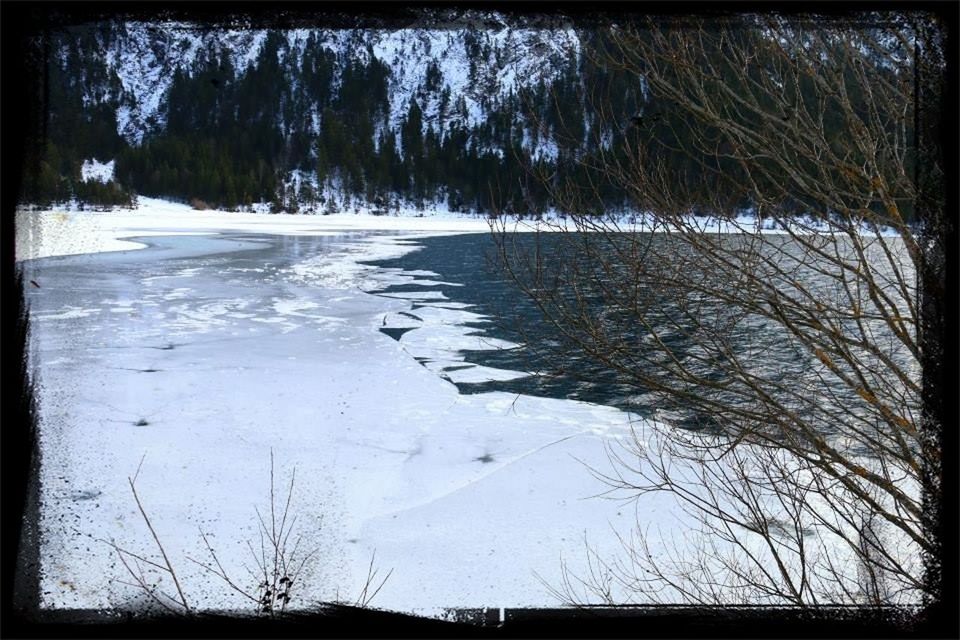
145 56
514 59
479 66
451 110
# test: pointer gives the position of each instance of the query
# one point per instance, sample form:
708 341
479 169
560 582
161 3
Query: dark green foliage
231 138
76 128
98 194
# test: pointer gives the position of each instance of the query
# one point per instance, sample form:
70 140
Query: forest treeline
231 139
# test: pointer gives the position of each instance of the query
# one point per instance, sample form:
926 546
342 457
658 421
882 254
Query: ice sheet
189 362
202 364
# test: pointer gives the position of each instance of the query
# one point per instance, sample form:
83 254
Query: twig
220 572
156 538
363 600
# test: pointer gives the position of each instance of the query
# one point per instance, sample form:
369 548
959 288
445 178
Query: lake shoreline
192 369
64 231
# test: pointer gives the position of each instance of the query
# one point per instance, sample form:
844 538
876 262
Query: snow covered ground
63 232
229 336
203 353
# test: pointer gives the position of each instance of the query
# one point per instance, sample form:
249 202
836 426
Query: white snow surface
62 231
190 376
189 370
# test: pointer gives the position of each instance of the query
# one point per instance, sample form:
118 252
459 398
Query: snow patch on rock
94 171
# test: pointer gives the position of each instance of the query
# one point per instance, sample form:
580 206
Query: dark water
689 327
563 372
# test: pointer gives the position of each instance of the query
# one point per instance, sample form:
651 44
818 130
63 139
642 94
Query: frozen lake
200 354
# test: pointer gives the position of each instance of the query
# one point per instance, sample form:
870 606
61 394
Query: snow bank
60 232
65 232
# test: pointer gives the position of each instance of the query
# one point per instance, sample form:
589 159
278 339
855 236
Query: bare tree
773 306
279 561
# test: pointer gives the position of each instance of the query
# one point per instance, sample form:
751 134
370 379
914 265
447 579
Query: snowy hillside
305 119
482 66
144 57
